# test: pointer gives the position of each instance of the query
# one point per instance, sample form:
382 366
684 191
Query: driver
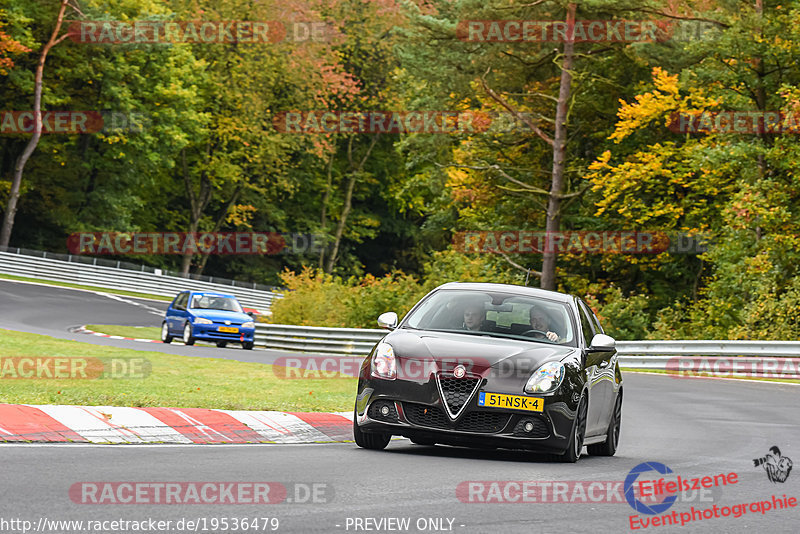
541 321
474 317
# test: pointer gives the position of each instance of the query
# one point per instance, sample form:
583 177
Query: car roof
509 288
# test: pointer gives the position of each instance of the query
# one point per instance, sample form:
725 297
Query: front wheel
188 339
165 337
573 452
364 440
222 344
609 446
248 345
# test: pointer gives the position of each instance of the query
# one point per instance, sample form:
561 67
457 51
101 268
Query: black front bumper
415 409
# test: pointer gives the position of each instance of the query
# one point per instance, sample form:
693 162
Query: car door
595 394
177 311
602 389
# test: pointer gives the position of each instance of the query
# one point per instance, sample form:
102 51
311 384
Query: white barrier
76 270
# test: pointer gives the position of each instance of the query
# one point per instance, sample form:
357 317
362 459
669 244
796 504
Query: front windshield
214 302
494 314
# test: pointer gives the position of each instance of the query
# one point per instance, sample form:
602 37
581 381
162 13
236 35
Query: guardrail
95 272
655 355
319 340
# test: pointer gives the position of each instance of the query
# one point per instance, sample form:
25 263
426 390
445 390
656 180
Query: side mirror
388 320
602 343
251 314
597 353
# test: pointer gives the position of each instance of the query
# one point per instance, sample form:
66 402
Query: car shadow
498 455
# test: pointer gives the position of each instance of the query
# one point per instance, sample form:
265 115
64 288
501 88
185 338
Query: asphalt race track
55 311
696 427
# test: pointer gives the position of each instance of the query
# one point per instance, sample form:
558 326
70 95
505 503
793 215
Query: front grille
457 391
224 335
374 411
484 422
540 429
419 414
434 417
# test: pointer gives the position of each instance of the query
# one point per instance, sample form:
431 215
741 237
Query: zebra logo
777 467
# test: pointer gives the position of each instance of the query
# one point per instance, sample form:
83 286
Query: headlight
249 324
546 378
200 320
384 364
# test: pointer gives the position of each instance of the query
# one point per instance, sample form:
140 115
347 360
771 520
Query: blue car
208 316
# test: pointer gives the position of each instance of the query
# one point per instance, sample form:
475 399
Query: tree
553 94
11 206
8 47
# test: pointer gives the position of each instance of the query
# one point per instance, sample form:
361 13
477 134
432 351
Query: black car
533 370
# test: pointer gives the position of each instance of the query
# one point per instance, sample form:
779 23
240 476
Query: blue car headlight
546 378
384 364
201 320
249 324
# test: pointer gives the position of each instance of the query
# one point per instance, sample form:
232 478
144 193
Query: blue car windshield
213 302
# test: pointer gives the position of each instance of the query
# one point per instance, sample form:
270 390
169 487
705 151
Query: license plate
513 402
230 329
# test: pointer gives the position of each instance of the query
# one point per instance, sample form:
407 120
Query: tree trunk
324 215
342 222
218 225
355 170
16 182
553 224
197 204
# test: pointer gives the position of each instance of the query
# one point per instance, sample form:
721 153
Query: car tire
222 344
609 446
165 337
248 345
573 452
376 442
188 339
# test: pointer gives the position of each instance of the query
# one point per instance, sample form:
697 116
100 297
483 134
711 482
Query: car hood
479 352
221 315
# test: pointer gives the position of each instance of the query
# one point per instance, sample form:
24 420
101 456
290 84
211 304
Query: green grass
664 372
88 288
140 332
175 381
